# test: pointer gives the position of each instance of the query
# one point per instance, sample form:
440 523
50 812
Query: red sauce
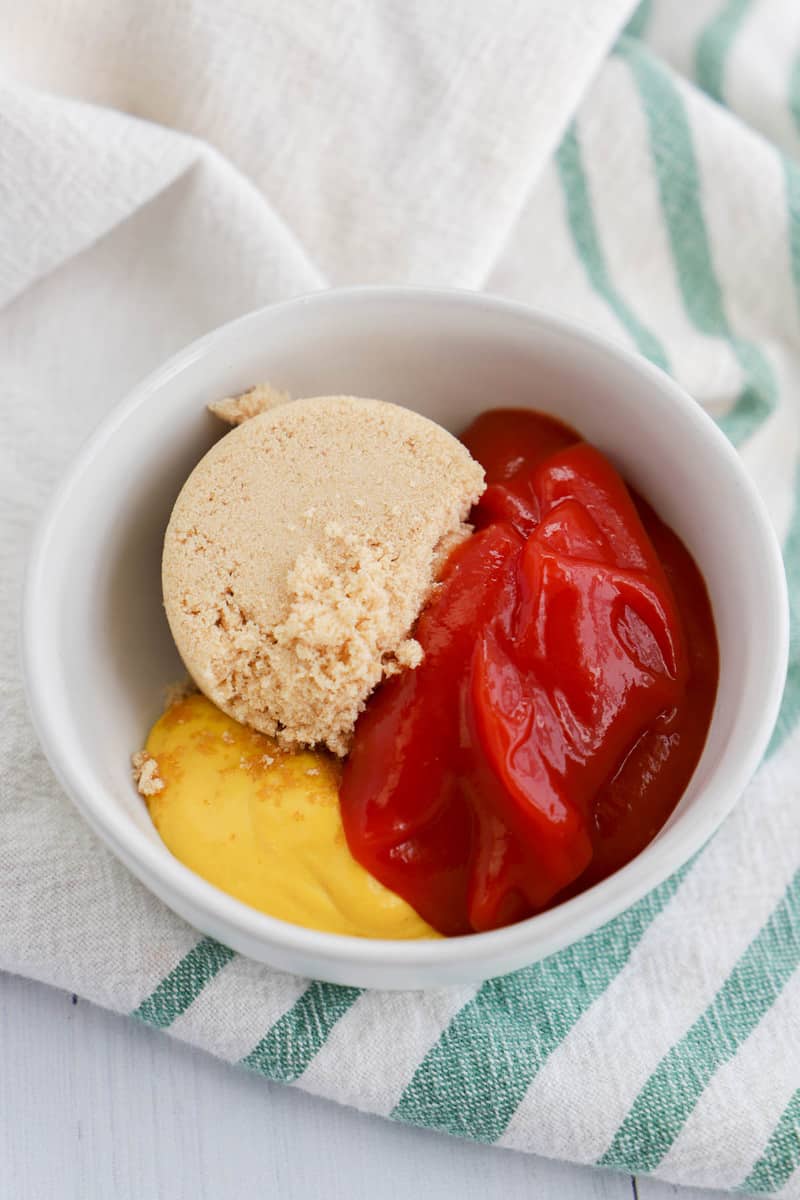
565 695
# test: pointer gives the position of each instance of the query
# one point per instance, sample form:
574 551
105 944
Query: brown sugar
300 552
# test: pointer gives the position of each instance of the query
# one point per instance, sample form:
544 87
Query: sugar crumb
145 774
235 410
409 654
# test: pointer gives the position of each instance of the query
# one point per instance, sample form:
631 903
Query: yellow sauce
263 825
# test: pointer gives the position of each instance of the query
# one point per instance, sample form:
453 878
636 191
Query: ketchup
569 675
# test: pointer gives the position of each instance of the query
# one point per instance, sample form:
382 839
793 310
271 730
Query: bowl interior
99 628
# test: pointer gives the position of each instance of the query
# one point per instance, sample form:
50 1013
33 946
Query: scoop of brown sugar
300 552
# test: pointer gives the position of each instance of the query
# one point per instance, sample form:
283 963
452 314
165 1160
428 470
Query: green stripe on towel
794 92
289 1046
781 1156
792 174
715 41
184 983
583 228
637 25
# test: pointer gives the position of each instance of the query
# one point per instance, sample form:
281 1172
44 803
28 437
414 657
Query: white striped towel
166 165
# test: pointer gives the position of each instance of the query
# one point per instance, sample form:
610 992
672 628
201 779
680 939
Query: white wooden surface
96 1107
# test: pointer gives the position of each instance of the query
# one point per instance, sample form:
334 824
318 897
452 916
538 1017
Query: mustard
263 824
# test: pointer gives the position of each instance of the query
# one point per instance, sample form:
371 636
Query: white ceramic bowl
97 650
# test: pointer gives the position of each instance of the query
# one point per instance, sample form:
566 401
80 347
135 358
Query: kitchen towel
166 165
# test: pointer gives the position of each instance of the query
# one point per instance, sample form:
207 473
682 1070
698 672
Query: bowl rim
567 922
